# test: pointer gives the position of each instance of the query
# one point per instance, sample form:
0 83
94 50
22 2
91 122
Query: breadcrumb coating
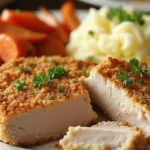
13 101
137 91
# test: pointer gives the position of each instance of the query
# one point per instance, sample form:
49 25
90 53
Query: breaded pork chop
121 101
41 97
104 136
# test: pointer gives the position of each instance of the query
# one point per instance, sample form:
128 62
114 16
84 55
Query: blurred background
34 4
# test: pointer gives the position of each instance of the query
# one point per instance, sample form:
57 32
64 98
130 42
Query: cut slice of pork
119 102
104 136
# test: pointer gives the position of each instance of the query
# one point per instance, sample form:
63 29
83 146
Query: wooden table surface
50 4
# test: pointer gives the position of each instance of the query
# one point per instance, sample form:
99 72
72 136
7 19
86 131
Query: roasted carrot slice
68 12
22 33
12 47
51 46
26 19
48 18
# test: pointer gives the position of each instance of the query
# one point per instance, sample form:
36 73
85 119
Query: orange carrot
69 16
51 46
12 47
48 18
26 19
20 32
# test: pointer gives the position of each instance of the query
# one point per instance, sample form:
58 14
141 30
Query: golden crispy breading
13 101
110 68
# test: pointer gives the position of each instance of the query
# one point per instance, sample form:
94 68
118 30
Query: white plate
51 145
142 6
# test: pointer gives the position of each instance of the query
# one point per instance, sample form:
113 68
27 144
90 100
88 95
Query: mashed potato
121 40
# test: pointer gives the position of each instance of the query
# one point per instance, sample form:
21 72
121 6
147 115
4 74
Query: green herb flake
84 71
52 98
135 68
126 80
27 71
19 85
122 15
31 65
141 81
56 72
91 33
61 90
47 53
41 79
17 10
92 58
144 101
20 67
52 61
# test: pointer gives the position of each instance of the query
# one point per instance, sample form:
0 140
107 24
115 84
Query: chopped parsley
141 81
126 80
27 71
122 15
52 61
135 68
92 58
20 67
56 72
17 10
84 71
52 98
41 79
19 85
61 90
91 33
47 53
144 101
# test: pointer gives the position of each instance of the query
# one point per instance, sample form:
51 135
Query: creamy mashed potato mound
121 40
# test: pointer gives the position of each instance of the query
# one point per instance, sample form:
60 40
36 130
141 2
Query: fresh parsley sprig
126 80
135 68
20 85
41 79
56 72
122 16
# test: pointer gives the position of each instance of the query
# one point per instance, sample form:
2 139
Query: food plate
51 145
143 5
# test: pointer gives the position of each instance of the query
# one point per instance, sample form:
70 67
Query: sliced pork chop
104 136
124 103
33 112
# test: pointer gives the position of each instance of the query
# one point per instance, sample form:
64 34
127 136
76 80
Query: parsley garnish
84 71
41 79
92 58
61 90
144 101
126 80
52 98
91 33
56 72
20 67
135 68
27 71
47 53
19 85
141 81
52 61
122 15
17 10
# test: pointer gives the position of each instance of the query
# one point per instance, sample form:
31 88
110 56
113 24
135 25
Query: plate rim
115 3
